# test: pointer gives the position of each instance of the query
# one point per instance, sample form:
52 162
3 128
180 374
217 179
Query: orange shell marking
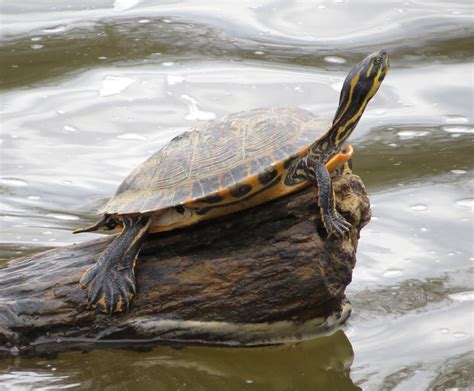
231 205
340 158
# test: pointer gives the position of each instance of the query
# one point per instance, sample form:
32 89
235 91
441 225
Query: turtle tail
106 221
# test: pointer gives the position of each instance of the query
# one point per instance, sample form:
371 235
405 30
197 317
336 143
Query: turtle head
360 86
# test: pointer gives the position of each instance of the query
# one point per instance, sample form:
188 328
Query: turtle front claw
109 290
336 225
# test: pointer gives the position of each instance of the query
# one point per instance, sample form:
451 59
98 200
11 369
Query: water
92 88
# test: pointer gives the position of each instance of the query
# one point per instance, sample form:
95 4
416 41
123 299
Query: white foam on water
392 273
61 216
456 119
174 79
131 136
13 182
123 5
195 113
335 60
419 207
70 129
112 85
412 133
466 203
54 30
462 296
458 129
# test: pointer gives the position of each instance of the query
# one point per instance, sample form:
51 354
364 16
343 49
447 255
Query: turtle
225 166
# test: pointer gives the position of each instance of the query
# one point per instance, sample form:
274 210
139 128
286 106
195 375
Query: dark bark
270 265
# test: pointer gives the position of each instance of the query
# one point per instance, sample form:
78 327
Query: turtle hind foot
336 225
110 289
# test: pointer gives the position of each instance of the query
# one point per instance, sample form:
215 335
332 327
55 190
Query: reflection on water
322 363
92 88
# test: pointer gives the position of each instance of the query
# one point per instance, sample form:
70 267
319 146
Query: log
256 277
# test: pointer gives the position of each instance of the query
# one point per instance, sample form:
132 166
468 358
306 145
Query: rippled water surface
92 88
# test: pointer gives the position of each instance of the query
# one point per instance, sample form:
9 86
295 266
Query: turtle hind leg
110 283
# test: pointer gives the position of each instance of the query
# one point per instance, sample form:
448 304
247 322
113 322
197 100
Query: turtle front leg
110 283
318 174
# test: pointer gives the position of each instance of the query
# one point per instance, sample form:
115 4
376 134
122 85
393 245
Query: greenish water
91 89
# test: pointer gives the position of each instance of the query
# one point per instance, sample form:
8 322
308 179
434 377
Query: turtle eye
377 60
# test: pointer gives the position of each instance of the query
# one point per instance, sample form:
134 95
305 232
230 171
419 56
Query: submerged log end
255 277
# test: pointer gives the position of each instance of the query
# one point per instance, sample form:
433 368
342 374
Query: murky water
92 88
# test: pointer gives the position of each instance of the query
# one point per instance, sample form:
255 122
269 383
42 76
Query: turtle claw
109 289
87 277
336 225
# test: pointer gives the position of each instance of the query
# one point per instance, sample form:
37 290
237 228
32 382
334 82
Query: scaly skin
334 223
110 283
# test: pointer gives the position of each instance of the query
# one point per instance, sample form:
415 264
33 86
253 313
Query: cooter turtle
224 166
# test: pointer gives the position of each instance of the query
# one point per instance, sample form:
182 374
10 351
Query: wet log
255 277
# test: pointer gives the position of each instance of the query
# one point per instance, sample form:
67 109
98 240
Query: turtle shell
216 155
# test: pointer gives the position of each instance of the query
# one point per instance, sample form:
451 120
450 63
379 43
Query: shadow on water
322 364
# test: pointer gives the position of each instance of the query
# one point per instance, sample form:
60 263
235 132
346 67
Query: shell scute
227 179
215 156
